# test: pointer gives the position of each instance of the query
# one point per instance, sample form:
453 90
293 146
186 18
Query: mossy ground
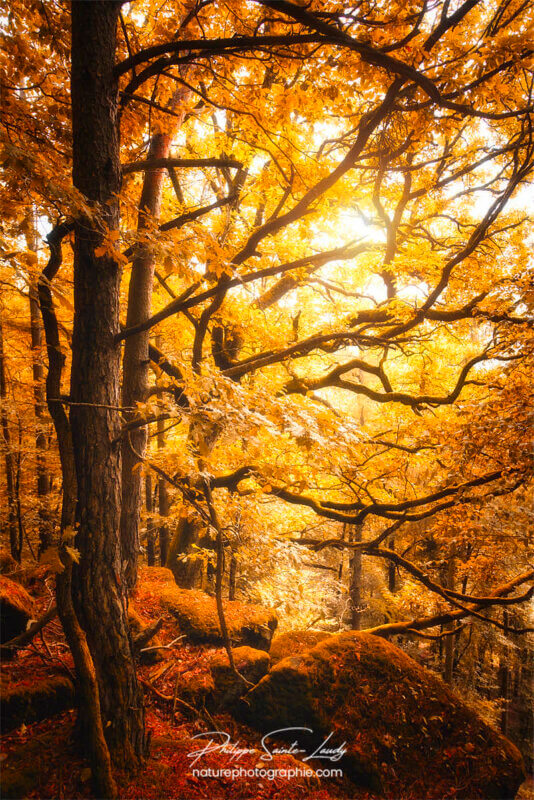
196 612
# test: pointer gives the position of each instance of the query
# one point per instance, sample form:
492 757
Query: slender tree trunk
356 580
100 594
135 362
41 439
450 640
163 496
15 540
232 575
505 680
392 573
150 538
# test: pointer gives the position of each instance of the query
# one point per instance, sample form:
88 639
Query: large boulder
292 643
404 731
251 664
16 609
32 701
196 611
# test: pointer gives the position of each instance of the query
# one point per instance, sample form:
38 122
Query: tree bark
163 499
99 592
505 680
87 691
356 580
135 362
150 537
41 438
232 576
15 539
450 641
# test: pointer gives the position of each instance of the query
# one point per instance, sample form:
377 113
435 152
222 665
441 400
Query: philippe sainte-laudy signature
220 742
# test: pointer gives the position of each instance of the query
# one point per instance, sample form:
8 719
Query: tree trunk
505 680
100 594
356 580
41 438
15 539
135 362
87 691
163 500
450 640
150 538
232 575
392 572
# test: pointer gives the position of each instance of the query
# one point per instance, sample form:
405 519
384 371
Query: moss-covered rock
251 664
23 703
294 642
16 609
196 611
406 734
197 691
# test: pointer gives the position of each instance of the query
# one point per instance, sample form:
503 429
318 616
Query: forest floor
41 760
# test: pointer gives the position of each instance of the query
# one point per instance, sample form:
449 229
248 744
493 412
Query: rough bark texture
88 699
99 593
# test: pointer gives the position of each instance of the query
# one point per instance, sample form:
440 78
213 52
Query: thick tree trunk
100 594
87 690
15 539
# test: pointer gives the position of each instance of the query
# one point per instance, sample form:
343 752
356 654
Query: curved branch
188 163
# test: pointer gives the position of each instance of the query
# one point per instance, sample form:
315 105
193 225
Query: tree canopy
320 235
